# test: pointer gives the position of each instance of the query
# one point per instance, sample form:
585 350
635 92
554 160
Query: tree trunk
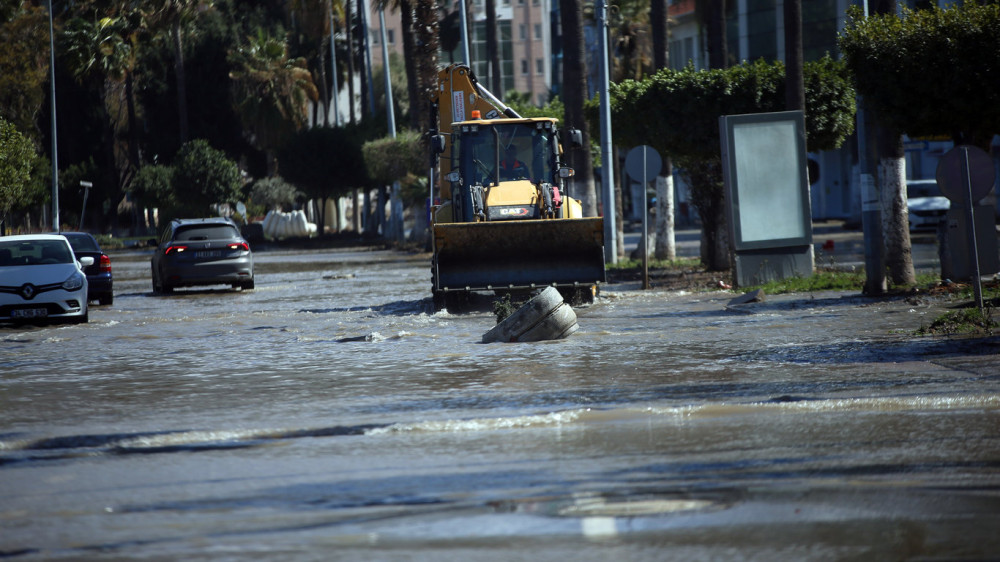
658 21
324 91
705 179
182 112
492 49
666 248
574 93
895 221
892 192
409 31
356 210
795 93
718 51
427 46
350 60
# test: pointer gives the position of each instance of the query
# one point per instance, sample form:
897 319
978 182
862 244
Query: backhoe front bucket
518 254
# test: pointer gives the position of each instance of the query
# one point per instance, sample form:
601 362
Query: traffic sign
643 163
981 173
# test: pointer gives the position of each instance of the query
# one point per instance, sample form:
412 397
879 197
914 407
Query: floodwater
330 414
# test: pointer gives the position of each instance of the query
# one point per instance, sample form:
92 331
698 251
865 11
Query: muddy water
330 414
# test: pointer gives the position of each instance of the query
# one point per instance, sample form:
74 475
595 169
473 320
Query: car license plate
209 254
29 313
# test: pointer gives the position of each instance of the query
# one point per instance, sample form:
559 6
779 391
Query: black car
196 252
99 279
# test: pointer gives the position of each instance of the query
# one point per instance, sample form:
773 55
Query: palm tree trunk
182 111
412 80
427 44
350 59
574 92
492 48
795 93
718 54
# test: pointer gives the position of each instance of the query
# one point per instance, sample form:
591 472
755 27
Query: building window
538 32
522 32
390 36
524 66
539 66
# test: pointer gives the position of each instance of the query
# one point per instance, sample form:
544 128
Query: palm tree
103 51
172 16
271 92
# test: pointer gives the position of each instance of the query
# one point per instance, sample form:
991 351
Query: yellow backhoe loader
504 222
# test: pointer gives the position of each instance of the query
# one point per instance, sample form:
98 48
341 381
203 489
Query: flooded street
331 414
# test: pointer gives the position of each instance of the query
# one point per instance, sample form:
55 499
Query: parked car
926 206
41 281
99 278
194 252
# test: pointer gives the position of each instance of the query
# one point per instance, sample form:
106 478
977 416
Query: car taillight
105 264
174 250
243 246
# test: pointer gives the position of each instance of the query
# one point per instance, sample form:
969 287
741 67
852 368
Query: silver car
197 252
925 205
41 281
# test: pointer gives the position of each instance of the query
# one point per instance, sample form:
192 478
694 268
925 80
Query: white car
41 281
926 206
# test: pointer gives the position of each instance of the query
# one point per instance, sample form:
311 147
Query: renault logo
28 291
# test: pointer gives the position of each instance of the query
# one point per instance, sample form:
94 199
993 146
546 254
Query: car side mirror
86 261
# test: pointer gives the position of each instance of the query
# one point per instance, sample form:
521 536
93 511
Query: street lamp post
55 150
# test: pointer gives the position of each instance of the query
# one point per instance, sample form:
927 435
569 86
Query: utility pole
55 146
871 205
607 151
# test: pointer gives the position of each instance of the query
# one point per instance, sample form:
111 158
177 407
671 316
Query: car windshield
34 252
83 244
206 232
922 189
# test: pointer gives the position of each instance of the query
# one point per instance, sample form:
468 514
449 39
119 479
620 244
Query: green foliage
324 161
930 72
24 64
17 159
271 193
677 111
964 321
204 176
153 187
98 48
271 89
521 103
392 159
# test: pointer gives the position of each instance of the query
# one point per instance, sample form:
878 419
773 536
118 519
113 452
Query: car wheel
106 299
247 285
